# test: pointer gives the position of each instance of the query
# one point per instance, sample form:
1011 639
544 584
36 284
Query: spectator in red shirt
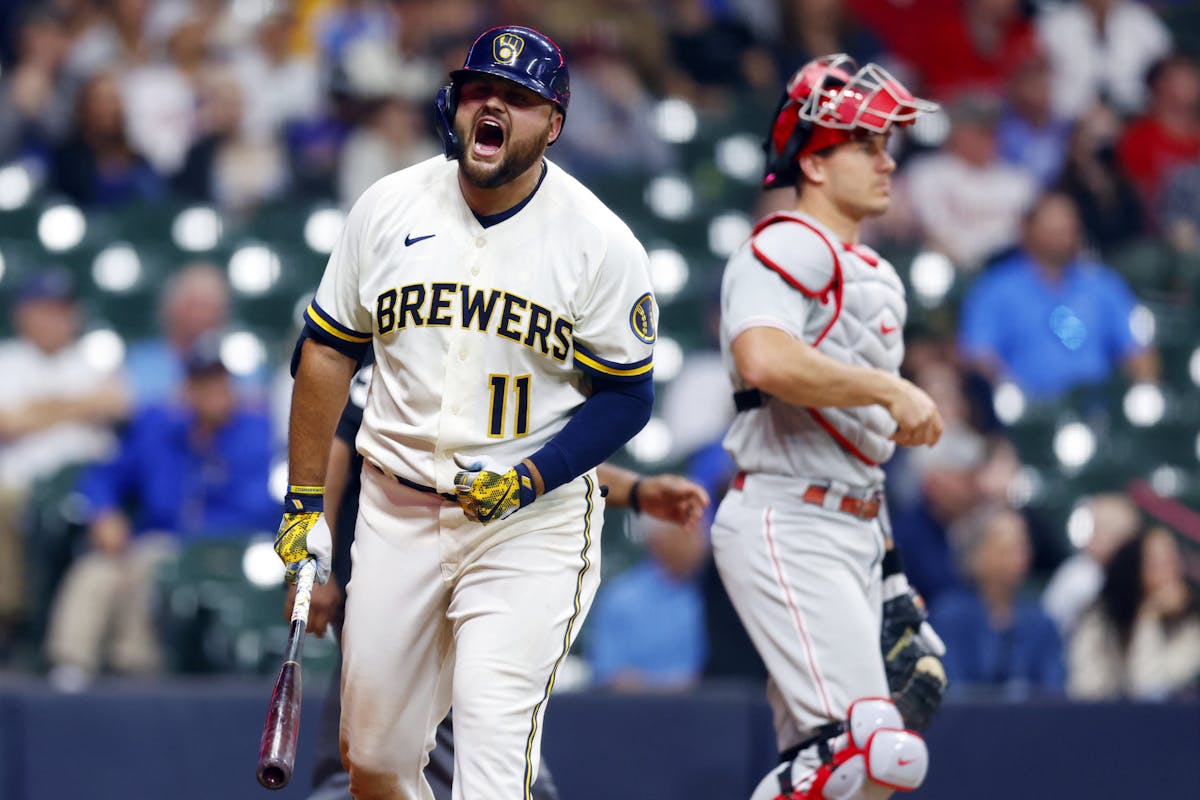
1167 137
954 45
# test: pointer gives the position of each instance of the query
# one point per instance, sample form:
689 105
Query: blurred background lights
1024 487
16 185
932 275
253 269
251 12
261 566
668 272
1167 480
61 227
3 266
322 229
930 130
117 268
277 481
1194 366
1080 525
740 157
668 359
675 120
1144 404
103 349
670 197
726 233
652 444
196 229
1074 445
243 353
1008 402
1142 325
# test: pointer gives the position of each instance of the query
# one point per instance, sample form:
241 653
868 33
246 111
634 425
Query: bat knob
274 776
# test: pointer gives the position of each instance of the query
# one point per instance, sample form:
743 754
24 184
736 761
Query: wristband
304 499
634 502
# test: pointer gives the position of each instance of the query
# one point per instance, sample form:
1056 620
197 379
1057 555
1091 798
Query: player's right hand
304 534
918 421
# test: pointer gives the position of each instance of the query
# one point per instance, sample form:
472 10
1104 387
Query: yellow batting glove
488 492
303 533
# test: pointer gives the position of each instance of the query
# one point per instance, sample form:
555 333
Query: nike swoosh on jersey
410 240
885 329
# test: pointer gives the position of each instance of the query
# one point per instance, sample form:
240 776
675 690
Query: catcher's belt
861 503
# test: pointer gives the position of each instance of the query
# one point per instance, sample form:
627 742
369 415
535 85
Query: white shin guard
872 758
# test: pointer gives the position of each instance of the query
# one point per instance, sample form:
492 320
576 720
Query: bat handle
304 587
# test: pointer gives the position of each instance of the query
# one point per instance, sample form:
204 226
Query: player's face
858 176
505 129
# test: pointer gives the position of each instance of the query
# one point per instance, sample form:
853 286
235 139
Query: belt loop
835 492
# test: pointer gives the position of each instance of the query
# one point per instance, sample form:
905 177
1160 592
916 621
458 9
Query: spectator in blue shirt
997 640
1049 318
182 472
647 628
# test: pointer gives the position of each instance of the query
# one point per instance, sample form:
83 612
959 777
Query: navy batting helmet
519 54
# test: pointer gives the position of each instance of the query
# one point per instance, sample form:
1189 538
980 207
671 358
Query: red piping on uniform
839 438
796 616
862 251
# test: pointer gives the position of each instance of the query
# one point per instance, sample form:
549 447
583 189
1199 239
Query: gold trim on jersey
595 365
314 314
578 601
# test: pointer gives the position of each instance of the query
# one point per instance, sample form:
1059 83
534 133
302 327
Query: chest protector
856 316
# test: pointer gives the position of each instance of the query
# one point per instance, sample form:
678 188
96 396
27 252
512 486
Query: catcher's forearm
318 396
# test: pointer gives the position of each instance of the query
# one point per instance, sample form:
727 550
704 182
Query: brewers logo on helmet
506 47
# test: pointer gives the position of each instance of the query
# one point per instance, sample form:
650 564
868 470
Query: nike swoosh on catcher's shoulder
410 240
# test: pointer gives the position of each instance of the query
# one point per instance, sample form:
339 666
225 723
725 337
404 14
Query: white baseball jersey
483 336
846 300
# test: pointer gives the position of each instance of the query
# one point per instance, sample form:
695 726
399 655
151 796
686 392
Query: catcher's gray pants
331 782
805 581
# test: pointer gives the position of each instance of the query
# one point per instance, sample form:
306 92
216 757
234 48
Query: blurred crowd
1070 133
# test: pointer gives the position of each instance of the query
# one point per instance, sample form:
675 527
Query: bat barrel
277 753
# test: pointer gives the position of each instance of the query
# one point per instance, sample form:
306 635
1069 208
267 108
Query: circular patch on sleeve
641 319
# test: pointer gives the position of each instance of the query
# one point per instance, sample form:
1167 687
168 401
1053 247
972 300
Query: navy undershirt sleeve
615 412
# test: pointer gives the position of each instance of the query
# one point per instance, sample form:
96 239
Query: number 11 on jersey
496 412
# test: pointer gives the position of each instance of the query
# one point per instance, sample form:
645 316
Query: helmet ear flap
445 108
782 168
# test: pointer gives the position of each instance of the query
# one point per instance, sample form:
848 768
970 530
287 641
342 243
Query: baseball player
811 331
668 497
512 322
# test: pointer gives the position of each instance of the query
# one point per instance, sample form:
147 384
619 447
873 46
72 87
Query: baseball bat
277 753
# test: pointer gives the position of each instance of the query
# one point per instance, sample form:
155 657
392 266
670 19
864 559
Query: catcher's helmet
519 54
830 100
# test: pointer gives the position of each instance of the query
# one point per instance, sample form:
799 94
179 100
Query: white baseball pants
443 610
805 581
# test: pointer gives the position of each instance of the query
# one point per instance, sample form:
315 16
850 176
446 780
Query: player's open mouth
489 136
